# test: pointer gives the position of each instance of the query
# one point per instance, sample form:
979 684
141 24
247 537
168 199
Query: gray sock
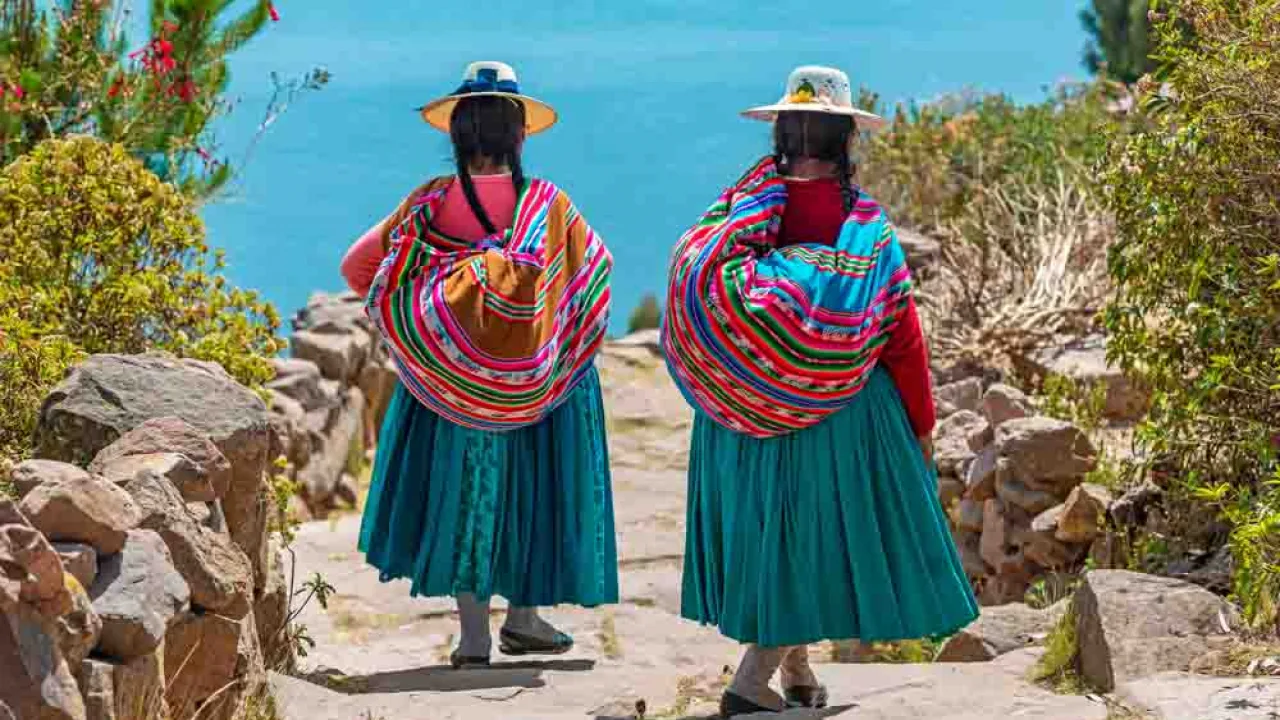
475 640
755 672
526 621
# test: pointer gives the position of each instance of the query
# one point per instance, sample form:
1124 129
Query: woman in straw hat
791 329
491 293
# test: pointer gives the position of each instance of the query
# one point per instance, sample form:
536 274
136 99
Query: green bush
1119 39
646 316
98 255
1196 195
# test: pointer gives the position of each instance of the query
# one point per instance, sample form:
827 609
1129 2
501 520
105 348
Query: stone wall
137 578
327 401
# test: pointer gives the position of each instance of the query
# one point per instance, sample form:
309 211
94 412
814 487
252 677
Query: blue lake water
648 94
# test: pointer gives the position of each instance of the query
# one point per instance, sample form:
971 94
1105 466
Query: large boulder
959 438
202 474
1017 493
983 475
108 395
84 509
337 310
138 594
339 351
300 380
1130 625
214 663
1181 696
1050 454
216 571
999 630
35 680
31 474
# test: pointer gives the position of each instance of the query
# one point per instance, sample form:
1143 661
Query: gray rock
79 560
378 382
983 475
1018 493
1046 453
205 475
339 352
190 480
1088 367
302 384
271 613
1131 509
95 680
109 395
216 571
1180 696
969 546
650 340
138 688
969 515
1083 513
343 311
86 510
1003 403
35 680
29 475
959 438
320 478
289 424
1131 625
1216 573
31 573
77 631
214 663
962 395
138 593
998 548
1000 630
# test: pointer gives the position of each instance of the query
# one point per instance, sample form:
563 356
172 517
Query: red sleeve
906 357
362 260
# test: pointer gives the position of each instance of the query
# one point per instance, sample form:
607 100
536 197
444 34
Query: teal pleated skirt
525 514
834 532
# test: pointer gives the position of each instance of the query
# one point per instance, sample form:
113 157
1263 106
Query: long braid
517 172
845 166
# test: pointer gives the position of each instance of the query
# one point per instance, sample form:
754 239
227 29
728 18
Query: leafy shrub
1196 195
1007 190
98 255
646 316
1119 39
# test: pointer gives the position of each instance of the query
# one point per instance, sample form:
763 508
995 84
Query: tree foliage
72 70
646 316
97 254
1119 44
1196 195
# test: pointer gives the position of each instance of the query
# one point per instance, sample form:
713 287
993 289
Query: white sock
475 640
526 621
755 672
796 670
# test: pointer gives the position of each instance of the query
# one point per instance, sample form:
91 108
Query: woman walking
491 293
792 331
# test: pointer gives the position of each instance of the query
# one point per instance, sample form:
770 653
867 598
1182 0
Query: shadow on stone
442 678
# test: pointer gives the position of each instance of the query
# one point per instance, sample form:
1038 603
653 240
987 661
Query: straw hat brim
769 113
538 116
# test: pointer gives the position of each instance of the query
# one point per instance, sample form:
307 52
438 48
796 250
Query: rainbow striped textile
768 340
495 334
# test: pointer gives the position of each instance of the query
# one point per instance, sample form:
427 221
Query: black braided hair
817 136
487 128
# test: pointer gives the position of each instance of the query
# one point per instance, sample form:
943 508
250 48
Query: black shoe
806 696
732 704
460 661
511 642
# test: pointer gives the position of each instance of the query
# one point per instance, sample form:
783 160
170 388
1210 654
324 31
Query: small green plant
1057 668
610 644
1052 588
646 316
282 488
1081 403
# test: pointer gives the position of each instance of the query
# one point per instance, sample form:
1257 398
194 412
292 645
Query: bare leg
475 641
756 670
795 668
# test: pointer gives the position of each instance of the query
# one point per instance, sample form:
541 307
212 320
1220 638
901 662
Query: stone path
381 654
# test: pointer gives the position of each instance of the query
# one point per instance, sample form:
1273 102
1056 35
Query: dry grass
610 644
1025 269
1244 658
1057 668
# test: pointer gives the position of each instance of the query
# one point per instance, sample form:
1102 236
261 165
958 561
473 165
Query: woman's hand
926 447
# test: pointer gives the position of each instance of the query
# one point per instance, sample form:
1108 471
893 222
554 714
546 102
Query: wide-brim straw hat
490 79
814 88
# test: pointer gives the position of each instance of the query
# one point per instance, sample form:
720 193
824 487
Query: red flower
116 87
18 92
275 14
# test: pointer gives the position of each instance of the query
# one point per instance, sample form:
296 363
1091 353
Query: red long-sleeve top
815 213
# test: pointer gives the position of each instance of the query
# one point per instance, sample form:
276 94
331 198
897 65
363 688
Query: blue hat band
486 81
